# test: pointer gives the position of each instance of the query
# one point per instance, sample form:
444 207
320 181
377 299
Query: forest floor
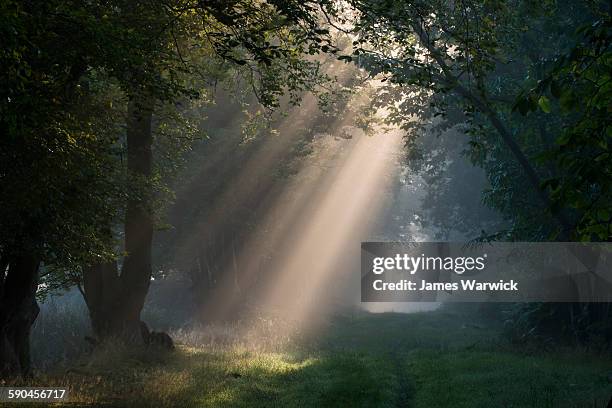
423 360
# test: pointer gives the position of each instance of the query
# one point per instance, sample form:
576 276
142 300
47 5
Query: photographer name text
464 284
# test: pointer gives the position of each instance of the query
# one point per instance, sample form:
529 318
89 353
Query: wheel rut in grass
405 388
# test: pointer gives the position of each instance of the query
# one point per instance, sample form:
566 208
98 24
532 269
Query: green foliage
580 82
465 63
547 324
545 152
69 69
57 164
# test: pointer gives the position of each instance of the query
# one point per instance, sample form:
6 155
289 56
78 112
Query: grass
425 360
491 379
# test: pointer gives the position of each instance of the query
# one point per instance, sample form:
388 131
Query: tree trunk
104 297
136 270
18 311
532 177
116 300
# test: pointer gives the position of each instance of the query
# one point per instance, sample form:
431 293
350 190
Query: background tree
471 63
465 53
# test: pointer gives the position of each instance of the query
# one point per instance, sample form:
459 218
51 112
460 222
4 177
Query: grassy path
427 360
404 387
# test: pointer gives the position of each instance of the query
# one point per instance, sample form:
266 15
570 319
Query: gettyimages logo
412 264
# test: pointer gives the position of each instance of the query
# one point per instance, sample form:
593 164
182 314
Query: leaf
544 103
603 214
567 100
522 105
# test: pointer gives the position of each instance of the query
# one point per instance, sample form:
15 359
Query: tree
467 54
580 83
504 65
62 188
267 39
54 161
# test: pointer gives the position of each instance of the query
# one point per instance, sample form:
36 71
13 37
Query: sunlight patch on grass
440 359
196 377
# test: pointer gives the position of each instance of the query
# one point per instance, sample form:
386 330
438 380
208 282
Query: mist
200 200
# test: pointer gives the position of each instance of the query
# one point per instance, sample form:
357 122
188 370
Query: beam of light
284 216
306 246
254 170
257 169
245 181
321 258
